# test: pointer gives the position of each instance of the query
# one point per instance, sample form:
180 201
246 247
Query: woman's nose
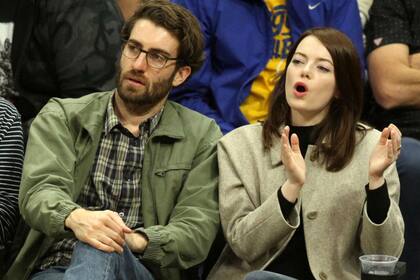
306 71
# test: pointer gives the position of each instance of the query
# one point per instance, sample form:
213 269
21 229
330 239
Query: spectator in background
393 48
63 49
364 6
310 207
11 137
128 7
246 45
11 160
7 26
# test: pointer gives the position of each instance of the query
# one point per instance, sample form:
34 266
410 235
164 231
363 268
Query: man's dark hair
178 21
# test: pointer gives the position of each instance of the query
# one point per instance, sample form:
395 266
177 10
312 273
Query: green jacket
179 181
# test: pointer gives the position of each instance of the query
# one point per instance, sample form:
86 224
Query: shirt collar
112 121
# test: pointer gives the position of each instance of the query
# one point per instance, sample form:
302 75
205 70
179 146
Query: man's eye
132 47
156 57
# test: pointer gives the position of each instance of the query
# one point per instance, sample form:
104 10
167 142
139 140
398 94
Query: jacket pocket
172 176
168 183
162 171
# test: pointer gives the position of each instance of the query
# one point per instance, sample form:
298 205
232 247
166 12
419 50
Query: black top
293 261
390 22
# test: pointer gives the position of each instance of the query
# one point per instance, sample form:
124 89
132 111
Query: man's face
138 82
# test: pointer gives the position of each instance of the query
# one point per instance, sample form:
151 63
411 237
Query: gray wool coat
333 206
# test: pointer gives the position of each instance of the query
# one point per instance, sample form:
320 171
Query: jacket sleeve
11 160
252 227
186 239
45 197
376 238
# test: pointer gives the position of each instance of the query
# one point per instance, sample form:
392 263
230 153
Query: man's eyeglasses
153 58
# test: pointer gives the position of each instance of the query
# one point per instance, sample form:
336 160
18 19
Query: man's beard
148 96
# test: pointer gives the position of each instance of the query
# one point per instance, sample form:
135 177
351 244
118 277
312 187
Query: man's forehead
152 36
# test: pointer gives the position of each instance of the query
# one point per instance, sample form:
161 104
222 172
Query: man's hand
136 242
103 230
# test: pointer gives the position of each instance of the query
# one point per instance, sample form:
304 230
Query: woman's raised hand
383 155
292 158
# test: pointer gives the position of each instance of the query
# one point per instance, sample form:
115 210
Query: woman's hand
384 154
294 165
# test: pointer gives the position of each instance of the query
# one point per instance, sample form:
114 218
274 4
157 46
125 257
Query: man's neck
131 118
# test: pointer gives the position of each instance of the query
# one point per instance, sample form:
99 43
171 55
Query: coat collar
275 153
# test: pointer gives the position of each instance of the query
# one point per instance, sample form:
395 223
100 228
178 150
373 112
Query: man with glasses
122 184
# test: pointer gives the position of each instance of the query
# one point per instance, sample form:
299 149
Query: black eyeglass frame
148 53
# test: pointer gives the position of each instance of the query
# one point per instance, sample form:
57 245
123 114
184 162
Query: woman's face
310 82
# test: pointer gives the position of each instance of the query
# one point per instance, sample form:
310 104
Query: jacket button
323 276
312 215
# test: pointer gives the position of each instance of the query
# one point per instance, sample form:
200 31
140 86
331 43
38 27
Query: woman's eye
296 61
324 69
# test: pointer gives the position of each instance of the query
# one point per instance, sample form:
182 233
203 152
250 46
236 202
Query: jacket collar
92 117
170 124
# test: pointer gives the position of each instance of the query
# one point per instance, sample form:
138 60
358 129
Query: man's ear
181 75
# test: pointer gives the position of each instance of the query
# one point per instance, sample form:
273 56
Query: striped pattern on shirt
11 161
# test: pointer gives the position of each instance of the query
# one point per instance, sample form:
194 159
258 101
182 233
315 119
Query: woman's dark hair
336 139
178 21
